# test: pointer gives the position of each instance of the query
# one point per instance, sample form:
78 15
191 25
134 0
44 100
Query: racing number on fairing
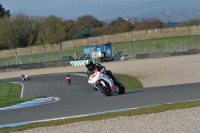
92 76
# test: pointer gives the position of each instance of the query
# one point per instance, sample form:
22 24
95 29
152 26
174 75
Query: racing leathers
101 68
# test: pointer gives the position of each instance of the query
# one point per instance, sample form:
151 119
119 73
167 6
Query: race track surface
79 98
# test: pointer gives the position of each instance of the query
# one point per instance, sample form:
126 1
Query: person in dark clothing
90 65
68 75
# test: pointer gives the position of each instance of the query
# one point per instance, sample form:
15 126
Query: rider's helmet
89 64
68 75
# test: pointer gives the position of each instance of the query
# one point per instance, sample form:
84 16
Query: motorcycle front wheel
104 89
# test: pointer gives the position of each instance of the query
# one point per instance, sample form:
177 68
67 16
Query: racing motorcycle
104 83
25 77
68 79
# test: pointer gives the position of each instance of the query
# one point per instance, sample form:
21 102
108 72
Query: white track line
22 88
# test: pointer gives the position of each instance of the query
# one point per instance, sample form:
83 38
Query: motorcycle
25 77
104 83
68 80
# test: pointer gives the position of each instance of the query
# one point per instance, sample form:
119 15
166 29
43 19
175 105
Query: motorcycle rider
68 78
90 65
24 77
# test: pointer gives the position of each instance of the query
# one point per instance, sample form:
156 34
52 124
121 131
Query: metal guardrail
33 66
160 54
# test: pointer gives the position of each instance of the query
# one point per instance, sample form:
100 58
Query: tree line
20 30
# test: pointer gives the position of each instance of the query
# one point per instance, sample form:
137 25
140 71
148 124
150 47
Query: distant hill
107 10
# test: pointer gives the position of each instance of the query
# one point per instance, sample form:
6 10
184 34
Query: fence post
180 43
31 57
192 42
154 45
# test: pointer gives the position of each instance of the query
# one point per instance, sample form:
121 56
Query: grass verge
128 81
10 94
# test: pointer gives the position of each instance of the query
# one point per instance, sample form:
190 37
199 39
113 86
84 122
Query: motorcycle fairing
98 77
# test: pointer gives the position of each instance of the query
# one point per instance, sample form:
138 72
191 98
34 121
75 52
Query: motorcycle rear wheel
121 89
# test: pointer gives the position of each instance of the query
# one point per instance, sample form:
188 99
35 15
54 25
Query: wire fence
35 58
158 45
119 49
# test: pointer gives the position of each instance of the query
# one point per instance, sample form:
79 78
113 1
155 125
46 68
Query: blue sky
68 9
38 4
105 9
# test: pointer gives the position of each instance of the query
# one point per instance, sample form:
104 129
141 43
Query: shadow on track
132 92
74 83
127 93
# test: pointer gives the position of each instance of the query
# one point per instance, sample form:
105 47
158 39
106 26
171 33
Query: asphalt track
79 98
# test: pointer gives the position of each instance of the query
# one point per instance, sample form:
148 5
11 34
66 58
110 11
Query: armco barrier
128 57
33 66
178 53
9 68
142 56
159 54
57 64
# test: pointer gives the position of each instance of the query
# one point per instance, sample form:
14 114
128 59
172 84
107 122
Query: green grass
10 94
122 48
128 81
